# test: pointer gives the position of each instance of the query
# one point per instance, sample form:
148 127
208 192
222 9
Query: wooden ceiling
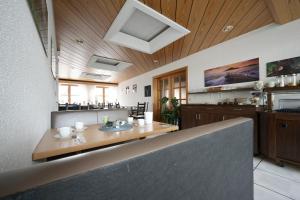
89 20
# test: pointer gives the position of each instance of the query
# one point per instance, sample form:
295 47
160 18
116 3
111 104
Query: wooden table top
92 137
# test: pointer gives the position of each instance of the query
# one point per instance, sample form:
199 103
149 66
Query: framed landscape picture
245 71
284 67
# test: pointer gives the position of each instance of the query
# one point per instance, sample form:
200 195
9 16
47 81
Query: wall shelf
283 89
222 91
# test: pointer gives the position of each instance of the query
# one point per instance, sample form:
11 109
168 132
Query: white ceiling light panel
139 27
95 76
107 64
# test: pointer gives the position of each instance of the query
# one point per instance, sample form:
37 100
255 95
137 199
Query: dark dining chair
139 112
110 105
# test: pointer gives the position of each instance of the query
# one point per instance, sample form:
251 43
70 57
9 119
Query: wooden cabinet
267 135
288 139
206 115
196 115
280 136
207 118
190 117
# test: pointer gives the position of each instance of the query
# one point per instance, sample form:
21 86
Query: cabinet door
288 139
229 116
267 135
188 118
207 118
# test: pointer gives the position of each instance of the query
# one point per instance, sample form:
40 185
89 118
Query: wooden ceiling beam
280 11
72 81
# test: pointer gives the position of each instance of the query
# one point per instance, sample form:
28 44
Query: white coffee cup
130 120
141 122
65 132
79 125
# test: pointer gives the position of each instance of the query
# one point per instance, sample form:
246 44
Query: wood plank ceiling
89 20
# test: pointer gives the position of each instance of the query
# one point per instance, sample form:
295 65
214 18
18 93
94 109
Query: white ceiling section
139 27
107 64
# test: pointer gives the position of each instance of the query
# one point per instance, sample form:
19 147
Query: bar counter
88 117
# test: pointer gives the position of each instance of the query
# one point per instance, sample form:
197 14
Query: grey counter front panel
68 118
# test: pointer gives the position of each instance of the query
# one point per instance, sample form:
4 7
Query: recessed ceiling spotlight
79 41
227 28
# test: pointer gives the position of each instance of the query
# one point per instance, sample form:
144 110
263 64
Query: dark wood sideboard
280 136
276 135
200 114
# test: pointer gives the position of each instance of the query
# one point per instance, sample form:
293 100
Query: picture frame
147 91
283 67
127 90
240 72
134 88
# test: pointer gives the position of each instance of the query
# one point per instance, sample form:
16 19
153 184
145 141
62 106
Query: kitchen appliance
288 105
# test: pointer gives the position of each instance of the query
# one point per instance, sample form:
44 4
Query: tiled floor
272 182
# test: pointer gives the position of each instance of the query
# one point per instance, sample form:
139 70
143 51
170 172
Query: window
110 94
75 94
69 94
83 94
106 94
63 94
99 95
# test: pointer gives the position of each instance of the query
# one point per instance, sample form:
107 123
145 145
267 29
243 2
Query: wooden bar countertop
92 137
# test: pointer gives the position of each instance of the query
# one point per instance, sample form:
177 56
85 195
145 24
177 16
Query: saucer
57 136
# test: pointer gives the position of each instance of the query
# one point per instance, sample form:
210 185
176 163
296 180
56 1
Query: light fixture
95 76
140 27
79 41
107 64
227 28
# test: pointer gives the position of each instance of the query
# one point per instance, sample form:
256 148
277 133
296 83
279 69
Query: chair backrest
118 105
141 108
110 105
62 107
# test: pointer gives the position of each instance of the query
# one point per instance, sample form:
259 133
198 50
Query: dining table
93 137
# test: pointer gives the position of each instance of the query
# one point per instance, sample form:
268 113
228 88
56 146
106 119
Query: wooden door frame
155 83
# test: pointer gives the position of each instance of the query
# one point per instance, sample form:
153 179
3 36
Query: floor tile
256 161
277 183
261 193
288 171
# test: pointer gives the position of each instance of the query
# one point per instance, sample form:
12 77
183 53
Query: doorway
171 84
